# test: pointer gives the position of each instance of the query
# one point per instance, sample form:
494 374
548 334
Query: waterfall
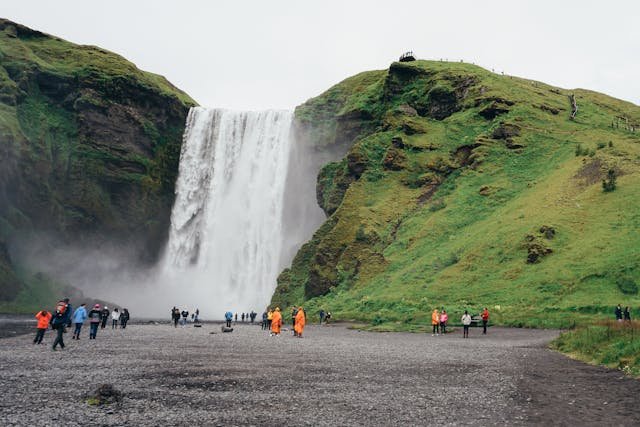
226 234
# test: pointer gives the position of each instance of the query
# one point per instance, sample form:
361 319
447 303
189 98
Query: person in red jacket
43 317
485 320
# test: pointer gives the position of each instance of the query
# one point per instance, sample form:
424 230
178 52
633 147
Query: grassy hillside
464 189
89 146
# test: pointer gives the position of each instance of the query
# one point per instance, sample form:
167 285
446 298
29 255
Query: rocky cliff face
89 144
448 173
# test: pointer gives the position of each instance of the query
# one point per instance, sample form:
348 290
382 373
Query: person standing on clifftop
619 313
485 320
79 316
95 316
276 322
43 317
105 316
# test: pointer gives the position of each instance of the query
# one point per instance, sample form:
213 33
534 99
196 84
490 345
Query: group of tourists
440 319
182 317
623 315
63 316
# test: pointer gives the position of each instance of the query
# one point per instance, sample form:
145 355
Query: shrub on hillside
609 184
627 286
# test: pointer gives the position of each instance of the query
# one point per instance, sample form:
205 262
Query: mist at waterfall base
245 203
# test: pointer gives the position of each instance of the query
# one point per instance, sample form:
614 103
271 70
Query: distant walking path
333 376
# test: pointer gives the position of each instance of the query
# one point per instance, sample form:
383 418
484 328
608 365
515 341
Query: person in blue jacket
79 316
228 316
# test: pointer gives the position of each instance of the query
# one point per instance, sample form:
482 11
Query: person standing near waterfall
276 322
300 321
294 312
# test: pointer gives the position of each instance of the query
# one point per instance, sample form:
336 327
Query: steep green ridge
462 188
89 147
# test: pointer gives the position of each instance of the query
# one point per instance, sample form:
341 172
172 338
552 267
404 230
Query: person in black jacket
124 318
61 316
627 314
619 313
105 317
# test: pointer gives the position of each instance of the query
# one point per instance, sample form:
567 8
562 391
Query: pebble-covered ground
334 376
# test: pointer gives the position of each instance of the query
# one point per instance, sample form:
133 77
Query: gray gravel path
333 376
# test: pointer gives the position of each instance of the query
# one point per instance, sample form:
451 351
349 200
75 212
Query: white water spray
226 226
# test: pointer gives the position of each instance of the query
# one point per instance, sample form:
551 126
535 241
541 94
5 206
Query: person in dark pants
79 316
124 318
485 320
105 316
94 316
466 321
619 313
236 318
59 320
175 316
43 317
321 316
294 312
115 316
627 314
264 321
228 316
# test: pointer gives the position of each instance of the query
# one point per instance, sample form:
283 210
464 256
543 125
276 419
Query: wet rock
548 232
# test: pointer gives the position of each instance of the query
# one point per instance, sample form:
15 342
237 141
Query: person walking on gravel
185 316
294 312
269 319
321 315
124 318
175 316
485 320
115 316
228 317
79 316
105 317
299 322
466 321
276 322
59 320
444 317
435 321
94 316
43 317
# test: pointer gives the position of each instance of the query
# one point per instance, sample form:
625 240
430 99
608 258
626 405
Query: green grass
612 344
464 247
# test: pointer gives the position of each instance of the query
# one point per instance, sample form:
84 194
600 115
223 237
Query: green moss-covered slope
462 188
89 145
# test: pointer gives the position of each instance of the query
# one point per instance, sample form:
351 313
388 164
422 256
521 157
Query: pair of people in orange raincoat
276 322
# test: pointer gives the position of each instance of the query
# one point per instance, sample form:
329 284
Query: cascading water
226 231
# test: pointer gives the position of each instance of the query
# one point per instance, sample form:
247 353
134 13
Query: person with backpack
104 317
435 322
124 318
228 317
79 316
95 316
115 316
466 322
43 317
175 316
444 317
485 320
59 320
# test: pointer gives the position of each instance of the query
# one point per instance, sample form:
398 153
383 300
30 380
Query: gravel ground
333 376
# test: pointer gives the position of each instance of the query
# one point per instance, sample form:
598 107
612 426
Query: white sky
263 54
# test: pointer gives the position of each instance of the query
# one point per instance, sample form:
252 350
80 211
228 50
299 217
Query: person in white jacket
466 321
115 315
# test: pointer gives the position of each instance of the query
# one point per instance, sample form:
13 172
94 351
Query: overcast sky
276 54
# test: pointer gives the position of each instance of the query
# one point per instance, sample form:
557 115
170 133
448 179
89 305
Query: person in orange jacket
485 320
43 317
435 321
300 322
276 322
